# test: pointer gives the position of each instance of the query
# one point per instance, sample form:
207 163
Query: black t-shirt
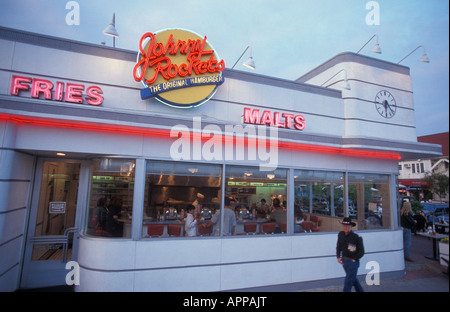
350 246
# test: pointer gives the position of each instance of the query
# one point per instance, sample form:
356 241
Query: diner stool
155 230
307 225
317 227
269 228
204 229
250 228
98 230
316 222
174 230
283 227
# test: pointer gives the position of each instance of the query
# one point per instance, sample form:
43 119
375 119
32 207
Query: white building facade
324 152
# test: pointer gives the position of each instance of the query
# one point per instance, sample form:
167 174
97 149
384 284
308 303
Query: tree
438 183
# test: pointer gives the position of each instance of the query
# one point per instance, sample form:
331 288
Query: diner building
97 173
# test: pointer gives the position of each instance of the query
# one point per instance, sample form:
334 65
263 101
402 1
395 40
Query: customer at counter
190 225
197 203
278 214
113 226
299 218
229 217
263 210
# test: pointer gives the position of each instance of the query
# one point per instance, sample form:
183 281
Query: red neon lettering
94 97
266 118
74 93
252 116
59 91
43 86
16 84
299 122
287 118
276 120
156 57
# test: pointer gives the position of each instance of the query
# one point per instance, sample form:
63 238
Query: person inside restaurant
278 214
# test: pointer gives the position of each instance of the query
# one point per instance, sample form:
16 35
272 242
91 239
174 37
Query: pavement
421 275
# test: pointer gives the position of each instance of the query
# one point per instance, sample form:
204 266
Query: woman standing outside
407 222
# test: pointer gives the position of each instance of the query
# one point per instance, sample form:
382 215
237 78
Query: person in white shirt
198 203
190 225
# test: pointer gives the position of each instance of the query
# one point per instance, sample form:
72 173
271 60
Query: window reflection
319 200
170 189
255 202
261 206
111 197
319 192
369 200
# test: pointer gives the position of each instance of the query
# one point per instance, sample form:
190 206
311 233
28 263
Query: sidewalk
422 275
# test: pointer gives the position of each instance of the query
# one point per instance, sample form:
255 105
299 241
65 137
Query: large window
260 205
319 196
190 200
111 197
319 192
171 188
369 200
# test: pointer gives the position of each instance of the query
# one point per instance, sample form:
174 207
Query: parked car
431 207
441 214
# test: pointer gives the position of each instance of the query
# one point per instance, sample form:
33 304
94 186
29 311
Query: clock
385 104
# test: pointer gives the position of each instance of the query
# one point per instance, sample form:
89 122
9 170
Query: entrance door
52 238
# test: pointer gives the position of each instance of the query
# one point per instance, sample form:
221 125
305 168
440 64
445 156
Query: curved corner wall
220 264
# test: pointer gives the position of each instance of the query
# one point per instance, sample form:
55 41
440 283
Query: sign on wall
57 207
178 67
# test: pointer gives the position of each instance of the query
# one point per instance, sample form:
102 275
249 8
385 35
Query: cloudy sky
288 37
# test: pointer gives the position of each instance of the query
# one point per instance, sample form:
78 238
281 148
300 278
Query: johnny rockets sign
178 67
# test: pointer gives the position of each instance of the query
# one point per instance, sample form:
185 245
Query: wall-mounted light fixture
423 59
110 30
346 83
249 62
375 49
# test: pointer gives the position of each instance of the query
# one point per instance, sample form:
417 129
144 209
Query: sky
288 38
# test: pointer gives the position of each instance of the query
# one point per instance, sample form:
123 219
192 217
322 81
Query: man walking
349 249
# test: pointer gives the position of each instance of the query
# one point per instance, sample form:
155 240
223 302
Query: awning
412 182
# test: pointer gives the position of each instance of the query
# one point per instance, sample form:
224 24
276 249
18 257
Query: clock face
385 104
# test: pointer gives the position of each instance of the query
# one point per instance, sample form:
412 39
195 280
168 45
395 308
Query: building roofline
127 55
66 44
355 58
282 83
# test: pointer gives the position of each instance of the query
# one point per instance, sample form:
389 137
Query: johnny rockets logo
178 67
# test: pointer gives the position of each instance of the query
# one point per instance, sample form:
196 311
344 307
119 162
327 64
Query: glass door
52 238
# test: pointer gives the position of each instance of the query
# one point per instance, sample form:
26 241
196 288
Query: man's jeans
351 270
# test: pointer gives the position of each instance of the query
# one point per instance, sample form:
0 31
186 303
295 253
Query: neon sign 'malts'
178 67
